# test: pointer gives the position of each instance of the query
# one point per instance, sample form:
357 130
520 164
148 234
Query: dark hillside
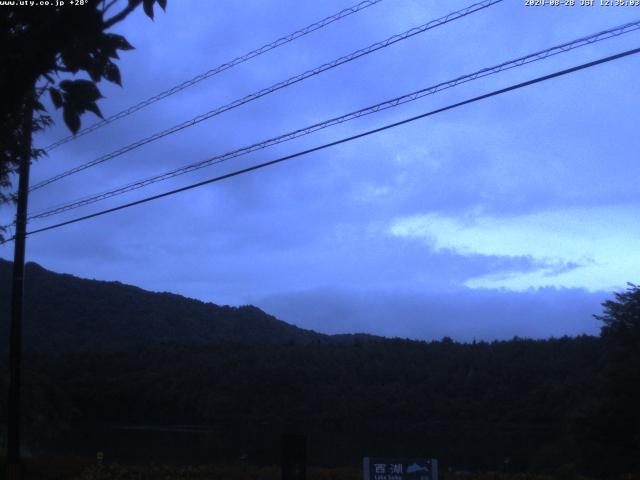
148 375
64 313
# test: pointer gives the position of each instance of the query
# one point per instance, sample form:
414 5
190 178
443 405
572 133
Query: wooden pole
17 295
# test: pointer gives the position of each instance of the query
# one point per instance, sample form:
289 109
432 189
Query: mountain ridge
66 313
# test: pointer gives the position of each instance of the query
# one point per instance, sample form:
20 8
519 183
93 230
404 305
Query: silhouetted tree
38 45
621 319
620 412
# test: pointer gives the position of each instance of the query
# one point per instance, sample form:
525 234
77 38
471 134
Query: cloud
463 314
584 247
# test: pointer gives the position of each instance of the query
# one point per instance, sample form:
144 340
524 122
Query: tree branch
122 15
43 88
106 7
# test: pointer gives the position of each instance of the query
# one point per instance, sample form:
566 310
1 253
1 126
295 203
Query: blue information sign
400 468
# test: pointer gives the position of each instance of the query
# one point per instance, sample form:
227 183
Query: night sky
513 216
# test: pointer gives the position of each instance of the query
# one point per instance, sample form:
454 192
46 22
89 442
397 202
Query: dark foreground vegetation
563 407
79 469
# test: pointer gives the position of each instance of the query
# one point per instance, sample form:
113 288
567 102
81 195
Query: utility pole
17 295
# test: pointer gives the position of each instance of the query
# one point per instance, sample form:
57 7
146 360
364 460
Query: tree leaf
56 97
79 96
66 85
163 4
38 107
93 107
109 46
71 59
72 119
148 7
95 71
119 42
81 91
112 73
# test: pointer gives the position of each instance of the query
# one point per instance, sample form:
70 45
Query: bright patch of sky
601 242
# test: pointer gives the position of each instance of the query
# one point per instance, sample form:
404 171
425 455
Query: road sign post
399 468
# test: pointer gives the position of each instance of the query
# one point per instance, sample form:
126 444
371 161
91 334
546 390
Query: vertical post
17 294
365 469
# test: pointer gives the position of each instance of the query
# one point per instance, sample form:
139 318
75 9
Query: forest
517 405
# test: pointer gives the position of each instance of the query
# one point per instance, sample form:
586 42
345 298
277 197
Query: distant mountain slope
65 313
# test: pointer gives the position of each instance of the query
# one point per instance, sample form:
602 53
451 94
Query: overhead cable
278 86
533 57
219 69
338 142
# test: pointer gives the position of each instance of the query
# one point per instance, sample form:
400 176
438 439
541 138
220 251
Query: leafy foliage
37 48
469 405
621 317
610 426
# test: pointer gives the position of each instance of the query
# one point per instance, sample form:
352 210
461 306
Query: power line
219 69
540 55
278 86
343 140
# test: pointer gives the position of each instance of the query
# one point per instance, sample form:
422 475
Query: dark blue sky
514 216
